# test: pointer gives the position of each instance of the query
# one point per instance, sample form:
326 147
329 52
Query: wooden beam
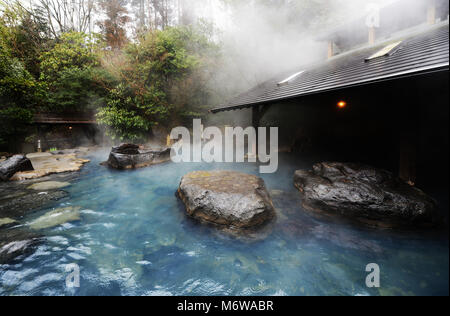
255 116
263 110
255 123
409 135
408 160
330 49
431 12
258 111
64 122
372 35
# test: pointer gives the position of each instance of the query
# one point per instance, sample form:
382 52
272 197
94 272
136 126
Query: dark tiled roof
417 54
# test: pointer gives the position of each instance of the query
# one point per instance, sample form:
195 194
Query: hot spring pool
134 239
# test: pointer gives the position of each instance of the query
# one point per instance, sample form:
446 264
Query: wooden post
371 35
169 141
255 123
408 143
407 168
39 143
258 112
431 12
330 49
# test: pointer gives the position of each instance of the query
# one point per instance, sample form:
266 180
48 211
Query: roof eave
416 72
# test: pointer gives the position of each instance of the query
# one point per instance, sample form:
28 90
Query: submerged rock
17 242
11 166
6 222
48 185
82 151
372 196
57 217
226 198
17 207
130 156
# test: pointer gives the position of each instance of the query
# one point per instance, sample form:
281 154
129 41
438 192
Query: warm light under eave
342 104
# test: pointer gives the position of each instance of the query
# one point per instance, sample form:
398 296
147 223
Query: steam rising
264 38
261 41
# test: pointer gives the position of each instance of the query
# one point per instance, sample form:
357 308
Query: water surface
134 239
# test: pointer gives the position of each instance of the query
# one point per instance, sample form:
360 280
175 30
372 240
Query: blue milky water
134 239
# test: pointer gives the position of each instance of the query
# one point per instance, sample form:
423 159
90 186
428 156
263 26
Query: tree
26 32
68 70
114 27
68 15
162 82
19 95
160 14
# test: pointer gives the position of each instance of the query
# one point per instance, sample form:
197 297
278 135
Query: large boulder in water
130 156
11 166
226 198
372 196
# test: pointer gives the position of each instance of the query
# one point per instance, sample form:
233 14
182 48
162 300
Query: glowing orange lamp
342 104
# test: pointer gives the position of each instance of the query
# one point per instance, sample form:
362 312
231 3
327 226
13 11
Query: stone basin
131 156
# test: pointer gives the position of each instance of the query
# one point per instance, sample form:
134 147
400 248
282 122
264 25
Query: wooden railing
65 118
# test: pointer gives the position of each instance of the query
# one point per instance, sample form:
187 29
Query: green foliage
73 50
68 71
128 116
162 74
26 34
18 94
160 78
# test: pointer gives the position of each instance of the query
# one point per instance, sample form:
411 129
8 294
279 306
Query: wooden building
381 96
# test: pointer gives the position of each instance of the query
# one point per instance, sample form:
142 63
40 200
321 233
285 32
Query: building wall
60 136
374 127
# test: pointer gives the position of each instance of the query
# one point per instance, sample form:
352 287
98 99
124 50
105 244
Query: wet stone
130 156
364 194
226 198
17 242
48 164
6 222
11 166
56 218
19 206
48 185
